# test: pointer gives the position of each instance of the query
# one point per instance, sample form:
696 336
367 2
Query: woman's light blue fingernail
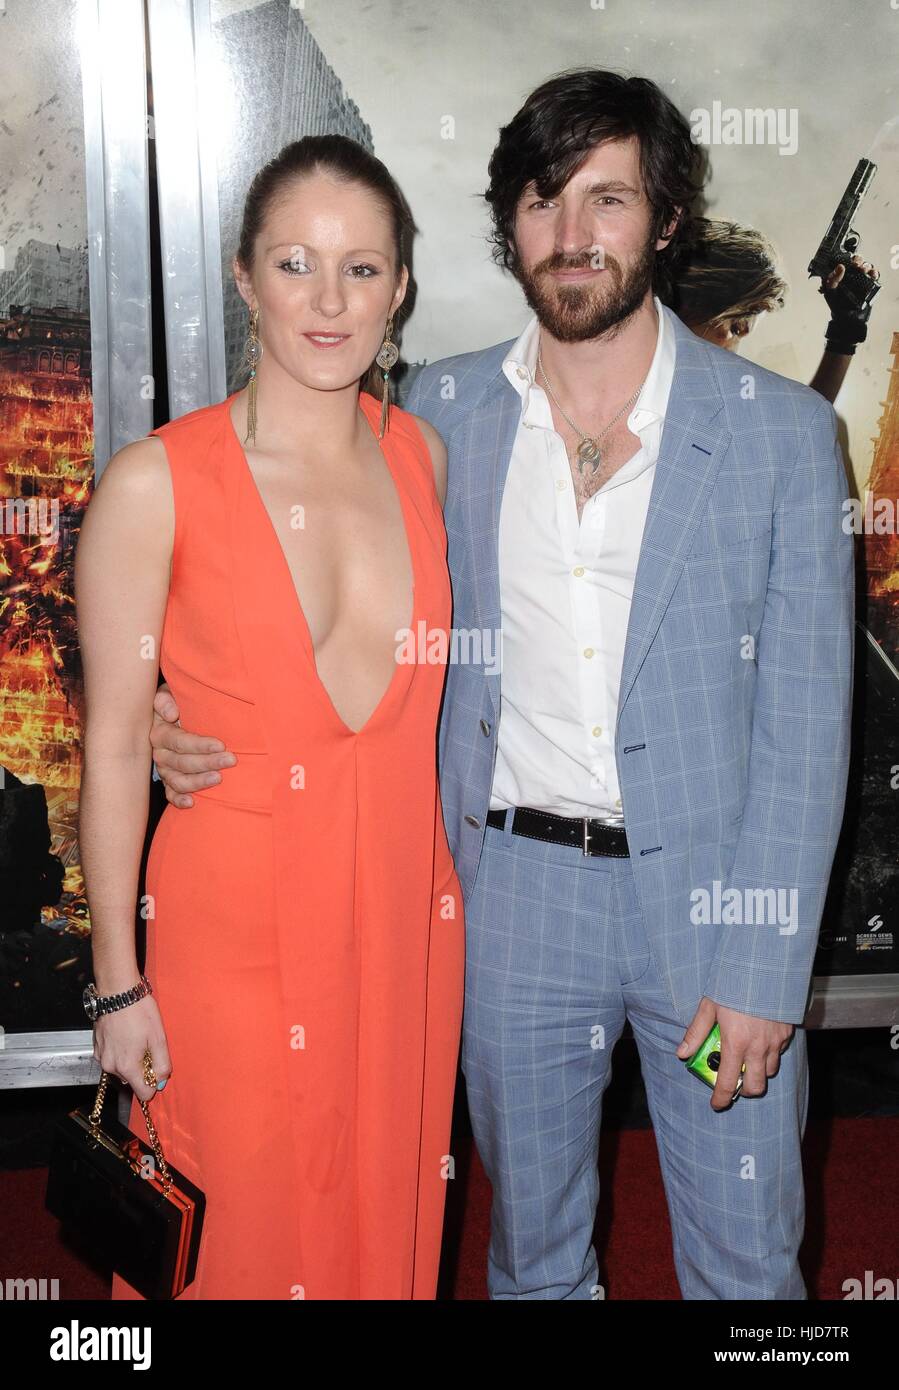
160 1084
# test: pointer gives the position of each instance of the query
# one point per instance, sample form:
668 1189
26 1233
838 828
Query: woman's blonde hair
724 272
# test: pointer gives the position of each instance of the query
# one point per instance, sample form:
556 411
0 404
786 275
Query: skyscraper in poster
281 87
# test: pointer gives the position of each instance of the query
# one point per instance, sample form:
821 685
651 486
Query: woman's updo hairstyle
343 159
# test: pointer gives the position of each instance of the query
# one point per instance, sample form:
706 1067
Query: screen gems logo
77 1343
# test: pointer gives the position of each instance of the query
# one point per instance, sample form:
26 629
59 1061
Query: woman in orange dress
304 920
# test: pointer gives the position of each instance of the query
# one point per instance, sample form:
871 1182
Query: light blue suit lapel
691 452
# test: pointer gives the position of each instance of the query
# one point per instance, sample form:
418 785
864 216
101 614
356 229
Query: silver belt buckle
586 834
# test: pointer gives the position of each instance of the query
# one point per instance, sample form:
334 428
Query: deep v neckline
286 571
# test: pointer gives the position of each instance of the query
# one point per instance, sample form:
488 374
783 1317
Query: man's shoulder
756 396
448 390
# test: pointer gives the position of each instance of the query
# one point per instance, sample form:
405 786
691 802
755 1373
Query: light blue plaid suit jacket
732 736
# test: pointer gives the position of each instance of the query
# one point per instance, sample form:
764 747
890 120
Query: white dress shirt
565 597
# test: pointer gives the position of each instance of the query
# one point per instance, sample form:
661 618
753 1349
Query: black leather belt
592 836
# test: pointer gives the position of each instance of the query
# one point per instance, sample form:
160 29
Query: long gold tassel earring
386 358
252 354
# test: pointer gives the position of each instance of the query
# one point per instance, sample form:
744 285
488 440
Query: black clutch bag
120 1200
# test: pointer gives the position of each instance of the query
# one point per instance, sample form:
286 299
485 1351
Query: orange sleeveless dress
305 935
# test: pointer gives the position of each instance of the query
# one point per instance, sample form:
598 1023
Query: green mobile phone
705 1062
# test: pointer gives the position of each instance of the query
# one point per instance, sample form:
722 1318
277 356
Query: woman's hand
122 1038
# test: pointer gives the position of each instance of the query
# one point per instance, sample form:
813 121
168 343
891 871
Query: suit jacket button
485 727
473 820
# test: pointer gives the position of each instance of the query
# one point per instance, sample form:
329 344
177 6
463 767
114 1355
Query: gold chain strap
150 1078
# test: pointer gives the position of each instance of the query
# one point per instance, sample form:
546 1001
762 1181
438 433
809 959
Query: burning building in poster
881 550
859 928
46 471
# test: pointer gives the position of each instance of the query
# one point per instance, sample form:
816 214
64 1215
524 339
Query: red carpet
851 1222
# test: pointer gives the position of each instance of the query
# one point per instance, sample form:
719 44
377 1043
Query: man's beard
576 312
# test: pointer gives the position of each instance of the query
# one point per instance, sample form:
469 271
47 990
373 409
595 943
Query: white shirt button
596 731
561 484
588 651
578 570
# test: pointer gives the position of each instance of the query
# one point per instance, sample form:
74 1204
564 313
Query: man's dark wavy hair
562 121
